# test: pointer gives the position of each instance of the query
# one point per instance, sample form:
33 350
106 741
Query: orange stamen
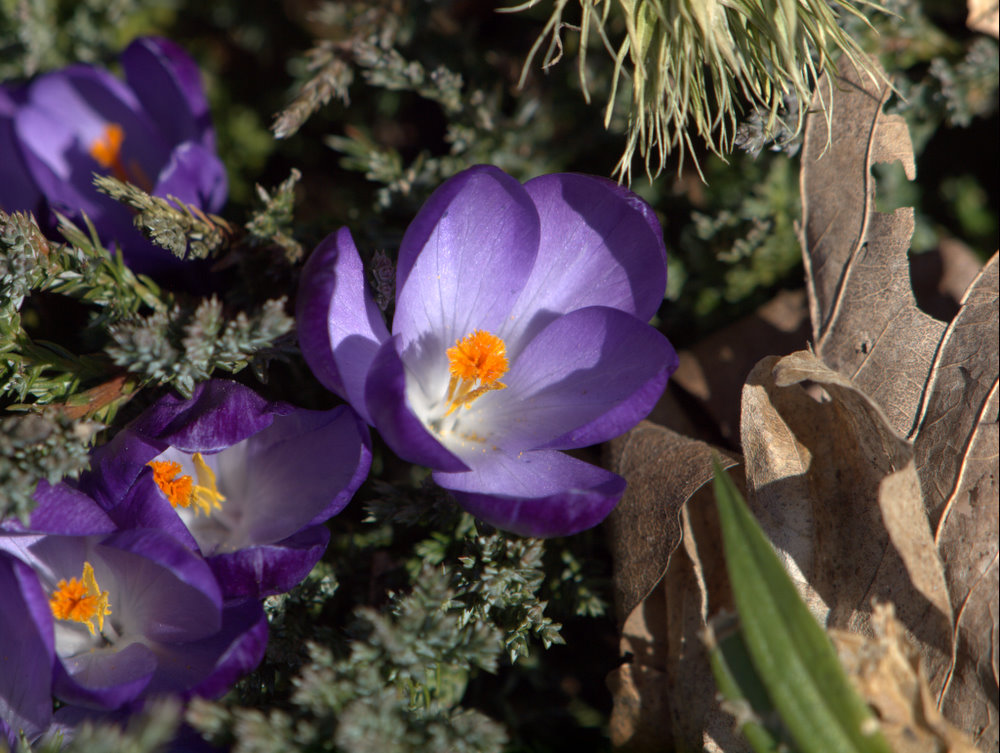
177 488
107 150
81 600
479 357
182 491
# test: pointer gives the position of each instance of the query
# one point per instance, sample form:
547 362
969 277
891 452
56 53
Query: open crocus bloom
152 130
127 614
247 482
520 330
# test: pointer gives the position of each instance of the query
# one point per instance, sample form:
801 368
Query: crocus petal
167 82
115 466
26 652
59 169
145 506
10 98
209 667
464 259
62 509
600 245
18 192
194 175
219 414
268 569
162 589
395 421
51 556
68 110
301 470
541 493
104 678
340 327
586 378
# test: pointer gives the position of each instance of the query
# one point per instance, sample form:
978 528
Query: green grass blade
739 685
794 659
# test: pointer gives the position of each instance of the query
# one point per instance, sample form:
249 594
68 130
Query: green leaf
794 659
745 697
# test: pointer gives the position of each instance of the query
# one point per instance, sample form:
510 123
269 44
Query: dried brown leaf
815 468
866 322
664 592
664 470
836 489
905 520
937 386
886 669
956 453
871 463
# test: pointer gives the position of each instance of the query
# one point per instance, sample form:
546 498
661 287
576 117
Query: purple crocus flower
103 618
247 482
27 654
152 130
17 189
519 331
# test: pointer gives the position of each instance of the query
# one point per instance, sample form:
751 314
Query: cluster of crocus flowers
152 130
520 331
145 576
246 482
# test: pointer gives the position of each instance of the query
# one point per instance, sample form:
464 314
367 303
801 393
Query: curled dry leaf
664 592
871 463
956 455
817 473
887 671
935 386
866 323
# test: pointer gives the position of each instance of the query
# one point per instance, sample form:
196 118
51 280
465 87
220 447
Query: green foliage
43 372
398 682
38 446
969 87
732 246
743 694
794 665
272 224
395 677
184 230
478 131
184 345
38 35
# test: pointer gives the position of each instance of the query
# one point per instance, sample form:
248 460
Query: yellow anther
182 491
206 493
81 600
480 357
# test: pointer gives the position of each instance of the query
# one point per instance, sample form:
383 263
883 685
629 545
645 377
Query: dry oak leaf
834 488
935 383
669 577
887 672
